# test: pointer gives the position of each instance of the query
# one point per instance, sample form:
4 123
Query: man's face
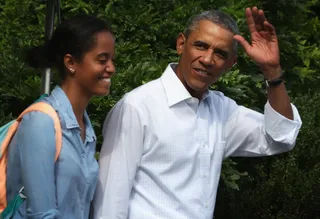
205 55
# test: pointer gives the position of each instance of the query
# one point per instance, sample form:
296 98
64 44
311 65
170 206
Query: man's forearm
279 100
277 95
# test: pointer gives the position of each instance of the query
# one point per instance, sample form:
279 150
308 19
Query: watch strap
274 82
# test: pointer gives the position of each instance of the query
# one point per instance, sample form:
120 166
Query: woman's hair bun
40 57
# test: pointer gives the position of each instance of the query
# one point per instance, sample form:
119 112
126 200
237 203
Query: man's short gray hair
217 17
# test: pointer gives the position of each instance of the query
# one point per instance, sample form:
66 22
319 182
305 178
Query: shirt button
83 155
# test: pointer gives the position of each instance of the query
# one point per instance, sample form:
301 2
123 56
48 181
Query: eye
102 61
221 54
201 45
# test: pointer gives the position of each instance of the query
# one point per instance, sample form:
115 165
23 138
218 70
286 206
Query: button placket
205 157
205 153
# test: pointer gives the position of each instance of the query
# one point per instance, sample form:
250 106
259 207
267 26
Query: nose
207 58
111 69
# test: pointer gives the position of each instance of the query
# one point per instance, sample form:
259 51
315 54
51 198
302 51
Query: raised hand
264 49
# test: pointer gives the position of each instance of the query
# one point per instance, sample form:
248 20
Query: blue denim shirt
54 190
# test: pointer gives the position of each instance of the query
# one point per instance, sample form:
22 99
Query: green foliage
146 32
230 175
284 186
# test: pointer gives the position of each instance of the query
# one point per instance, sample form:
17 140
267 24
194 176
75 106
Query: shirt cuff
280 128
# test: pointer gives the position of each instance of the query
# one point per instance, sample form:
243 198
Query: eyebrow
206 45
201 43
103 54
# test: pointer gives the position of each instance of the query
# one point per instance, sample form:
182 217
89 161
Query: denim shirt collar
65 110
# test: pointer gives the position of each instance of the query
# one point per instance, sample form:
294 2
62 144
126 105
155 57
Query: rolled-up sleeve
119 159
37 148
250 133
280 128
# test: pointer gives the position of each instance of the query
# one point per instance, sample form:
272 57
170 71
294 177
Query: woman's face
93 73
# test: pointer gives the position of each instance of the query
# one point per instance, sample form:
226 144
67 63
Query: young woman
81 49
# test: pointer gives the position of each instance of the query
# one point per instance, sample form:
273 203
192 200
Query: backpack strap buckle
21 193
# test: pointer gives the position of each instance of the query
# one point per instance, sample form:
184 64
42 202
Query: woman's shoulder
36 134
37 121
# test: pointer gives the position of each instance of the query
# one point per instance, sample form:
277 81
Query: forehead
104 42
212 34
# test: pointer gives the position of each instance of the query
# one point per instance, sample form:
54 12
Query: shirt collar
65 110
174 89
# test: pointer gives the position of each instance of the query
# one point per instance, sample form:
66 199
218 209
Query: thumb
243 42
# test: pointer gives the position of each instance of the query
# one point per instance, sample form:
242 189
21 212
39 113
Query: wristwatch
274 82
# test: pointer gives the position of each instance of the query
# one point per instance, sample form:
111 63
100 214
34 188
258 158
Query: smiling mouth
105 79
201 71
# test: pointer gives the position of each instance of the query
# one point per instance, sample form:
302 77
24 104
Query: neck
196 94
78 99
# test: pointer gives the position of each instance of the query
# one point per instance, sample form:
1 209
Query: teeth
106 79
203 72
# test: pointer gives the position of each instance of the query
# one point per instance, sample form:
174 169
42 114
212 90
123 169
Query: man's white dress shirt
163 149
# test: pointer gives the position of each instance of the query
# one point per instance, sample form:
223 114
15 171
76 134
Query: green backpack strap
13 205
41 97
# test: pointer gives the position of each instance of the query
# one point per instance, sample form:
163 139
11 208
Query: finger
243 42
255 12
262 15
250 20
271 30
266 25
259 18
269 27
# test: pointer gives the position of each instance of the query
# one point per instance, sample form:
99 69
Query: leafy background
279 187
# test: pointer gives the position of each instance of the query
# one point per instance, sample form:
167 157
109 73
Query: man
165 141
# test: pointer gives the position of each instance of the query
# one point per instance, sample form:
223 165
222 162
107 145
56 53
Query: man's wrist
272 73
273 76
274 82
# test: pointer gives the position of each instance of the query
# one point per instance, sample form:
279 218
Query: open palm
264 49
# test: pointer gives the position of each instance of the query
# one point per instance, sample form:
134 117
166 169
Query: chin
102 93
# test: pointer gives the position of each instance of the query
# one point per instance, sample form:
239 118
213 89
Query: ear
232 62
181 41
69 63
